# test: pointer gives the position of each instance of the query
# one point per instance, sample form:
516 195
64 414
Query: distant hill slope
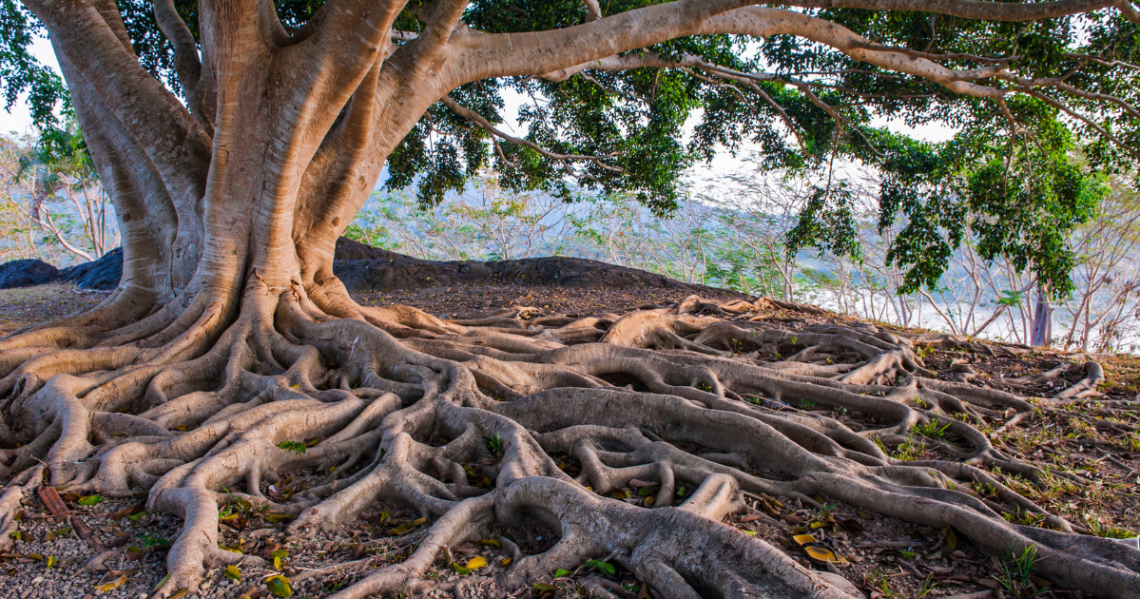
365 268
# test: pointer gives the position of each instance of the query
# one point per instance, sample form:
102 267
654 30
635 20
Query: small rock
840 583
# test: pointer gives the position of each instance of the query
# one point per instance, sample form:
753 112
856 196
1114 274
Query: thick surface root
479 426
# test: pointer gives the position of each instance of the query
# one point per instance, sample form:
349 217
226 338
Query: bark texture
229 338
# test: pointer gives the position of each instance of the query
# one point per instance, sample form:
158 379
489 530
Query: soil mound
102 274
365 268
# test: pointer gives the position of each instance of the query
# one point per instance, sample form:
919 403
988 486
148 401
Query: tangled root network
212 406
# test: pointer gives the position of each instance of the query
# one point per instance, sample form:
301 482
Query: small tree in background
56 186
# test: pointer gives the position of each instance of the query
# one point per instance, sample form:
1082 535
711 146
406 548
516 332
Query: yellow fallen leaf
802 539
506 561
476 562
489 542
951 538
110 586
233 572
419 521
823 554
180 593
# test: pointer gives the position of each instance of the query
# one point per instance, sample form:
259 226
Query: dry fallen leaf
110 586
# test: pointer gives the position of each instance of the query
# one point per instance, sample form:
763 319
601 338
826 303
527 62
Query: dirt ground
886 558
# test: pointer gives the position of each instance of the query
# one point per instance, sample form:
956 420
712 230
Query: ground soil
887 558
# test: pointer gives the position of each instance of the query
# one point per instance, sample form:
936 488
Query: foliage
1017 571
21 73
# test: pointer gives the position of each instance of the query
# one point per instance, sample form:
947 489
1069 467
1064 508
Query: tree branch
152 116
486 56
1080 117
478 119
441 17
593 10
968 9
186 62
570 50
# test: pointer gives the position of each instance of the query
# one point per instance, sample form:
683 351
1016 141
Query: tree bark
1042 319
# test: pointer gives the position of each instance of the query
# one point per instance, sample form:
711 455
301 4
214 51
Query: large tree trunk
229 338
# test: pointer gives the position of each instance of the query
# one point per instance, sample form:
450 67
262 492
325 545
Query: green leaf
559 573
294 446
137 517
233 573
605 567
89 500
538 586
279 586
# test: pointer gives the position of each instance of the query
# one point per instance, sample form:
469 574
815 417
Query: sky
20 120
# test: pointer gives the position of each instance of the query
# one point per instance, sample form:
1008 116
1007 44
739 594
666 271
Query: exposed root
199 406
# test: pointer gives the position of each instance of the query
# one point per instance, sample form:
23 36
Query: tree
239 144
16 230
59 171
